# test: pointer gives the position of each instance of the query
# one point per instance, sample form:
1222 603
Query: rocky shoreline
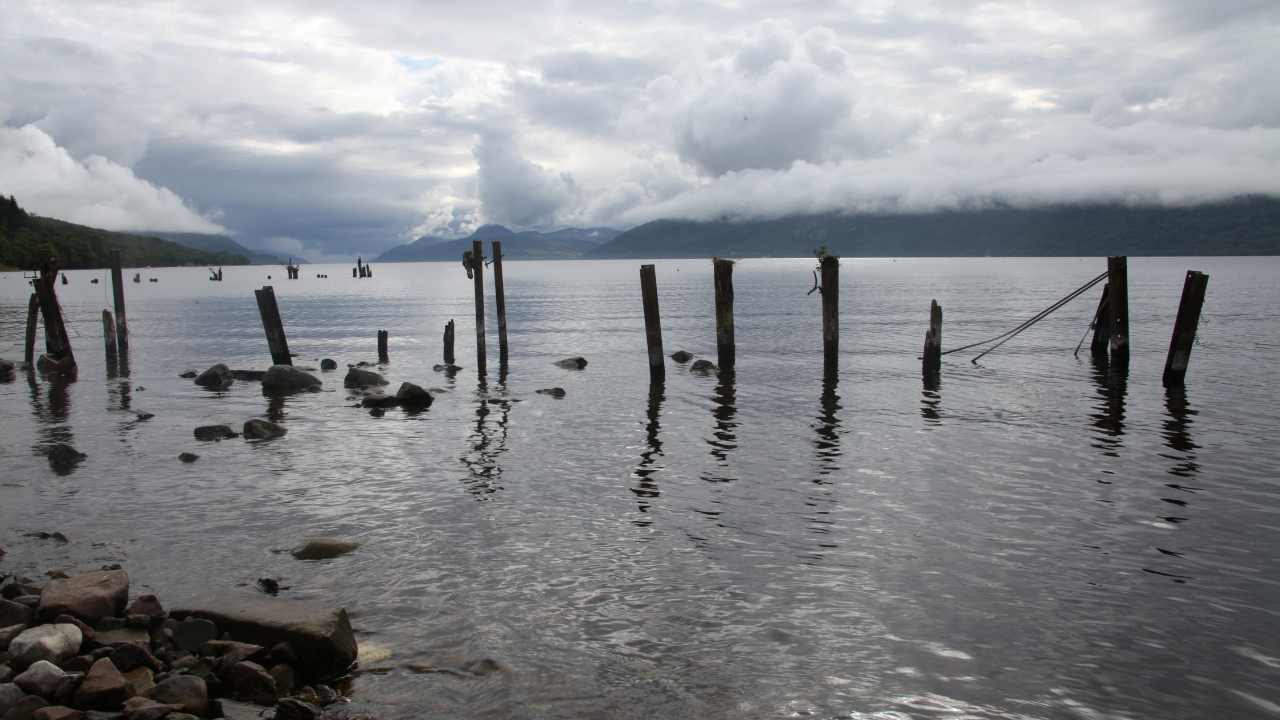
79 648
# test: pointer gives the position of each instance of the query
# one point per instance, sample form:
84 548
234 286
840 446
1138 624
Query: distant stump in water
285 379
257 429
213 433
682 356
328 364
323 548
188 458
704 367
217 377
573 363
555 392
357 378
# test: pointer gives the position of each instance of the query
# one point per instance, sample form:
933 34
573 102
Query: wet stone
213 433
103 687
257 429
187 457
682 356
555 392
188 692
191 634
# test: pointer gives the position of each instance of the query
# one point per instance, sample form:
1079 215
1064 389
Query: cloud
95 192
514 190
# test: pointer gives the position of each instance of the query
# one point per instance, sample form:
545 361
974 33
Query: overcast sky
327 127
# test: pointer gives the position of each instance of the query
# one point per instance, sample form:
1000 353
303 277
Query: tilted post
723 270
57 344
477 275
499 300
273 326
117 296
448 343
382 347
33 315
932 366
1184 328
1118 302
652 323
830 266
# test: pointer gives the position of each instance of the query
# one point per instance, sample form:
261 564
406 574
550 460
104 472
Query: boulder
63 458
188 692
7 634
90 596
323 548
284 379
682 356
703 366
320 636
555 392
145 604
217 377
573 363
213 433
250 681
130 656
357 378
54 643
188 458
192 633
328 364
10 694
257 429
412 396
103 688
13 613
42 678
378 400
25 707
140 681
57 712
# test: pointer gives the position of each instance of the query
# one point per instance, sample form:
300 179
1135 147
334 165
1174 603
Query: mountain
527 245
27 240
1248 226
223 244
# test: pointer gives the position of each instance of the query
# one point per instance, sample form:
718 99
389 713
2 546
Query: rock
250 681
703 366
217 377
90 596
63 458
328 364
53 643
231 652
140 708
682 356
249 375
555 392
52 366
130 656
270 586
323 548
123 636
284 379
25 707
143 416
285 678
57 712
213 433
378 400
411 395
146 604
320 636
87 633
189 374
10 694
100 715
12 613
140 681
188 458
357 378
103 688
7 634
573 363
25 586
191 634
42 678
6 673
325 695
295 709
188 692
258 429
236 710
79 663
446 368
377 412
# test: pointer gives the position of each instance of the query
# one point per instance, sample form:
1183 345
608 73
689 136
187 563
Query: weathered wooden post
830 266
933 343
1102 326
57 344
382 347
1184 328
448 344
273 326
723 270
1118 303
500 301
117 297
33 314
109 340
477 275
652 323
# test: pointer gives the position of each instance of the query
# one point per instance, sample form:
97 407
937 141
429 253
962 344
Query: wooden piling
723 270
273 326
109 340
117 296
1184 328
1102 326
382 347
477 275
652 323
1118 302
57 343
830 266
33 314
932 366
500 301
448 343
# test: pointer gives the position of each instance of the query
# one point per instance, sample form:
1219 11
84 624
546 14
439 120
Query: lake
1037 538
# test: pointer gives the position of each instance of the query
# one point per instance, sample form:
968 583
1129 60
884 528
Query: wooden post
933 343
109 340
652 323
477 274
117 296
1184 328
1102 326
1118 302
723 270
33 314
500 301
382 347
830 265
448 343
272 324
57 344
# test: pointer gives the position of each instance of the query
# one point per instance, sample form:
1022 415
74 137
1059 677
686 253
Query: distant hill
527 245
223 244
1249 226
27 240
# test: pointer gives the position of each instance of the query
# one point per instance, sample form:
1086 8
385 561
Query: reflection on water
820 500
487 442
646 488
1177 434
724 436
1111 384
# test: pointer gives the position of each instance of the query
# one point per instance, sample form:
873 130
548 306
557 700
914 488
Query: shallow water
1034 539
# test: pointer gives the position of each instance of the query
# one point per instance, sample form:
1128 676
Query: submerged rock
89 597
258 429
328 364
362 378
63 458
573 363
412 396
323 548
555 392
217 377
378 400
682 356
283 379
189 374
213 433
187 457
703 366
446 368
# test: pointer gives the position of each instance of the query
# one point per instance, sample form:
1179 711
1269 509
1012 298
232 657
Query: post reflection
931 402
1177 434
645 488
486 443
1108 416
820 501
51 406
724 437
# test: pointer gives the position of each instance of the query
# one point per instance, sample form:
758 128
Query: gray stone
555 392
53 643
146 604
285 678
192 633
250 681
295 709
411 395
7 634
140 680
100 715
703 366
213 433
328 364
236 710
6 673
362 378
10 694
128 656
141 708
89 596
682 356
217 377
103 688
230 651
25 707
189 375
320 636
284 379
42 678
258 429
57 712
323 548
187 457
188 692
123 636
573 363
12 613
